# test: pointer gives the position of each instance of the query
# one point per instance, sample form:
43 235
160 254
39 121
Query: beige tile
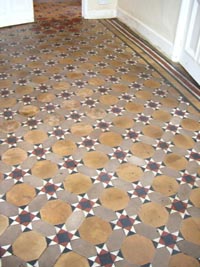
29 246
44 169
95 159
14 156
190 230
114 199
71 259
21 194
64 147
95 230
55 212
138 249
77 183
153 214
183 260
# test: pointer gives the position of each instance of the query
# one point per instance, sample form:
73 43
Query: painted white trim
161 43
181 30
100 14
84 6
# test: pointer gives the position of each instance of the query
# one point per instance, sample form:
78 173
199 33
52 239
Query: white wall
155 20
13 12
93 9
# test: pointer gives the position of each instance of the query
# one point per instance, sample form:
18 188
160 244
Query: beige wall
159 15
94 5
94 10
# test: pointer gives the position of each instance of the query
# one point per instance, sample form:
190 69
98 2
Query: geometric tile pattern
99 148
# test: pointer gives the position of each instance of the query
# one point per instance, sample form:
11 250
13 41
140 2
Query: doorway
57 9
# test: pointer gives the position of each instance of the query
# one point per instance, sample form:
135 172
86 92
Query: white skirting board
162 44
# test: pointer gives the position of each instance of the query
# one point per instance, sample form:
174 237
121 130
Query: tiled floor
99 150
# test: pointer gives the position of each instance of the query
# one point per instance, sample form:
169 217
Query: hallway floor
99 149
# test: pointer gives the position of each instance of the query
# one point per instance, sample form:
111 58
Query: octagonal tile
35 137
81 129
96 113
190 125
64 147
142 150
175 161
108 100
55 212
110 139
152 131
9 126
138 250
46 97
21 194
134 107
190 229
44 169
28 111
114 199
161 115
53 119
84 92
195 197
165 185
71 259
183 141
14 156
71 104
152 84
95 159
77 183
182 260
144 94
129 172
123 122
153 214
7 102
4 223
169 102
95 230
24 90
29 246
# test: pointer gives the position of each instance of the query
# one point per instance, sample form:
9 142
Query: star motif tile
50 189
179 206
39 152
104 178
88 143
189 179
32 123
17 174
141 192
25 218
86 204
12 140
125 222
168 240
105 257
120 154
58 132
63 238
70 164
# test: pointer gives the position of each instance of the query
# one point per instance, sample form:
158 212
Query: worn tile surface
99 148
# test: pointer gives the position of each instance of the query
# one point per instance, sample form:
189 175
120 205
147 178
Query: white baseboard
100 14
146 32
